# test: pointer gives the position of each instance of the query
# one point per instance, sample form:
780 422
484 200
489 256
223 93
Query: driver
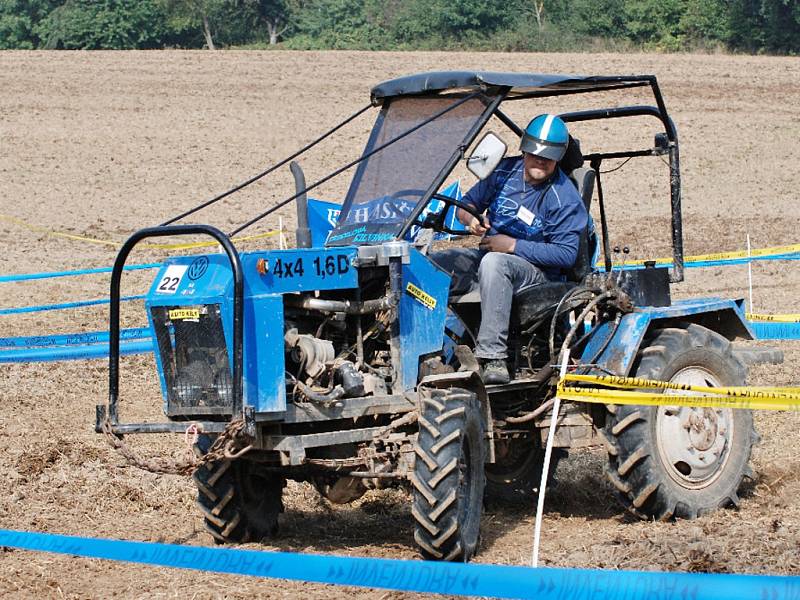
531 220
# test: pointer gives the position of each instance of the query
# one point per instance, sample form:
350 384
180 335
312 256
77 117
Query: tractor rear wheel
448 476
671 461
240 501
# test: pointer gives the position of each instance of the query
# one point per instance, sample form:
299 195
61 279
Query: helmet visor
537 147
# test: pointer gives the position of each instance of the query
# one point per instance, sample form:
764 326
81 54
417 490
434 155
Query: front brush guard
109 411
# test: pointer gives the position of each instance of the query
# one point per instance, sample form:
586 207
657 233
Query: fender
616 355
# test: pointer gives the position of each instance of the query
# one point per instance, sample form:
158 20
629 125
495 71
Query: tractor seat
539 299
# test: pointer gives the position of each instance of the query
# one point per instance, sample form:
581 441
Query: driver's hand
479 226
499 243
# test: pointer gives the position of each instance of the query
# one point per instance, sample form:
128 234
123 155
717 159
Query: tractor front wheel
240 501
670 461
448 476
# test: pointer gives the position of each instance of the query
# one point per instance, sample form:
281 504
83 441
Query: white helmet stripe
546 127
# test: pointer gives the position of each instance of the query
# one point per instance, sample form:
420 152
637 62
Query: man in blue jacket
529 235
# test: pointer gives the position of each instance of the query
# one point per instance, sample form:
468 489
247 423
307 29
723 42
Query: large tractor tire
240 501
680 462
448 474
515 478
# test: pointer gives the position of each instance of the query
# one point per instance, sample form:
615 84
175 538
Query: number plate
171 279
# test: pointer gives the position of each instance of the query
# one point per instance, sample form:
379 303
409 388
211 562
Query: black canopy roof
521 84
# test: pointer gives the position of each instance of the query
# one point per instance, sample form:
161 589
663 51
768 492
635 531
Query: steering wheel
435 221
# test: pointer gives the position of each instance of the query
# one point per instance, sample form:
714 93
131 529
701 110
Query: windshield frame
341 235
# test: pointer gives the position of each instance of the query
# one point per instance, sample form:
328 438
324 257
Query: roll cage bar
494 89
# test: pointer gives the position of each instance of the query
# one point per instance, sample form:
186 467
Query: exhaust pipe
303 233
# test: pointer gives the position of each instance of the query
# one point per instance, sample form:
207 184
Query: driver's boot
495 372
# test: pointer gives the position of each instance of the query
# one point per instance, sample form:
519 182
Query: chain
229 445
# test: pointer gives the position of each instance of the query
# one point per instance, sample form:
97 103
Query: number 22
169 284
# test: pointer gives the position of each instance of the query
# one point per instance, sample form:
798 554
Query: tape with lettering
753 398
78 352
71 339
785 318
496 581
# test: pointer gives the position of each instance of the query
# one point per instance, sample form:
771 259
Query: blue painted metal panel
190 281
455 330
300 270
620 352
264 366
423 307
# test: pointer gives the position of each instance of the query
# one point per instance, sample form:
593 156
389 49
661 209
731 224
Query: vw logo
198 268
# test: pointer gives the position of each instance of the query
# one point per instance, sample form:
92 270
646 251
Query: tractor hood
190 310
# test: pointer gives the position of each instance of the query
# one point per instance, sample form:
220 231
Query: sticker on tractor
180 314
426 300
171 279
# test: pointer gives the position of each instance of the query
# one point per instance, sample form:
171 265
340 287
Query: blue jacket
545 219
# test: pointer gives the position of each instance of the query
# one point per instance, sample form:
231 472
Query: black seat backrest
584 180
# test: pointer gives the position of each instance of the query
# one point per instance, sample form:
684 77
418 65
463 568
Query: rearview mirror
487 155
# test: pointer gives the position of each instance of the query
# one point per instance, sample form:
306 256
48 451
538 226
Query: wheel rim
694 442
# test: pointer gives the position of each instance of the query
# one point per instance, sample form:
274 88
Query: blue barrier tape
775 331
84 352
72 339
497 581
722 262
54 274
44 307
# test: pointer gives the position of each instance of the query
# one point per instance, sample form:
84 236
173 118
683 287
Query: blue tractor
350 365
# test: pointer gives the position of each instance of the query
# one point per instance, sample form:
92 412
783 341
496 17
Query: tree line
753 26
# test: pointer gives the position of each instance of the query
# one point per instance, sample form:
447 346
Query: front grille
191 343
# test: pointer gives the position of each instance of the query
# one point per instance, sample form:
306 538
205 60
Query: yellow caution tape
753 398
90 240
787 318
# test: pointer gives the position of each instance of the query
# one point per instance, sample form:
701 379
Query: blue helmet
545 136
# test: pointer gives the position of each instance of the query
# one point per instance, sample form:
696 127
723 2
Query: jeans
498 276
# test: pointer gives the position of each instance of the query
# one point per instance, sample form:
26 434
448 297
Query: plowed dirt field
97 145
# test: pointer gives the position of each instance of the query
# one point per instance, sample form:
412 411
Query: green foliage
653 23
340 24
103 24
514 25
765 25
705 21
17 21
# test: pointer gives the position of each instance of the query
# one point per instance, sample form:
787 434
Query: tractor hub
693 442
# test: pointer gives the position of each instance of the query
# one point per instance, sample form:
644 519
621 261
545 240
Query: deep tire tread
634 468
227 514
448 517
